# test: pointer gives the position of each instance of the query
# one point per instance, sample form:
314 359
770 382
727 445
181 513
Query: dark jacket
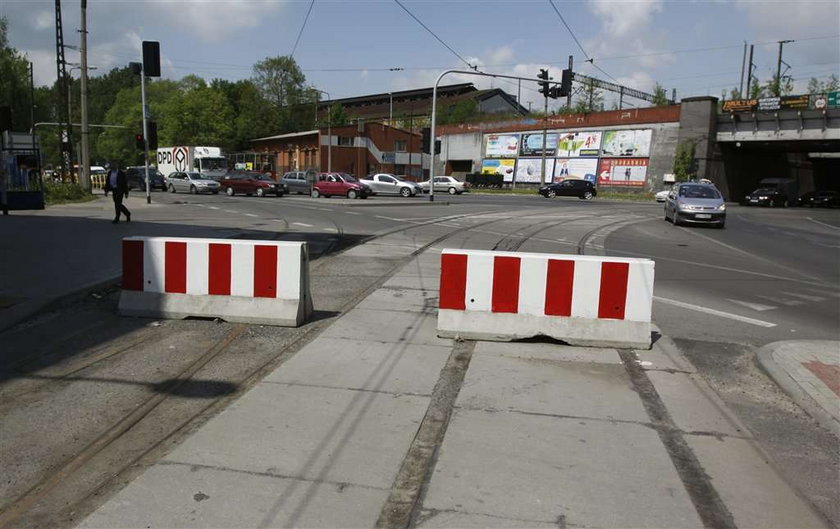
122 183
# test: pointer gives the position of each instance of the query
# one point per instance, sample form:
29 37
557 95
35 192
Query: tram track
107 439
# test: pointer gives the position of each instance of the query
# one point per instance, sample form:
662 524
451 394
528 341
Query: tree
590 98
815 86
660 96
684 164
337 116
197 115
283 85
460 112
14 81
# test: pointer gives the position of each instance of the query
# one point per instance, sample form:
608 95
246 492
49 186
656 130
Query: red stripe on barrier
218 274
132 265
559 280
175 268
505 284
453 281
265 271
613 294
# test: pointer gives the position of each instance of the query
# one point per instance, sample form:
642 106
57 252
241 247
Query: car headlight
722 207
762 198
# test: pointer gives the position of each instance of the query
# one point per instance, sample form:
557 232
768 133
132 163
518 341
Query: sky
352 48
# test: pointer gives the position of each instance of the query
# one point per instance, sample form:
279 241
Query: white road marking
754 306
804 296
212 207
330 229
352 213
278 220
250 215
302 224
823 224
781 301
714 312
231 211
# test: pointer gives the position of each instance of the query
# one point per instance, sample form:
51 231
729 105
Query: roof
403 95
288 135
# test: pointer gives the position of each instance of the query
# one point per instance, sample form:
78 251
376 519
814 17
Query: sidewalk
809 371
541 435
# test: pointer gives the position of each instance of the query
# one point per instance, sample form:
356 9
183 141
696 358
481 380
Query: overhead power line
472 67
589 59
297 40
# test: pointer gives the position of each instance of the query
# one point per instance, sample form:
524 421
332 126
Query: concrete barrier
262 282
581 300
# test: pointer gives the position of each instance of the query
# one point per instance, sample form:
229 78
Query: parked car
191 183
582 189
390 184
662 196
251 183
446 184
136 177
339 184
825 199
766 196
695 203
298 181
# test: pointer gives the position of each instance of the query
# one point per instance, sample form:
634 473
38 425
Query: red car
251 183
339 184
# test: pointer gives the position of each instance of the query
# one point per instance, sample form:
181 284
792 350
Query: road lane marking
212 207
250 215
352 213
823 224
754 306
330 229
782 301
804 296
302 224
713 312
231 211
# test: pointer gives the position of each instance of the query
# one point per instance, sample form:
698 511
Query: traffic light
151 58
565 83
544 83
437 146
151 131
139 143
426 147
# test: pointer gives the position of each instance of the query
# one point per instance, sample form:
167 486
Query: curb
767 362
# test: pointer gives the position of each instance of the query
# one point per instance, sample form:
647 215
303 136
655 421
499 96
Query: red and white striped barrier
582 300
263 282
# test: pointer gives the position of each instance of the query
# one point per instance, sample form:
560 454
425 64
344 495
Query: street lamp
779 68
329 131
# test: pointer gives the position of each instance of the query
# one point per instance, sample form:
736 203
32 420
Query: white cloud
623 19
44 20
213 20
772 20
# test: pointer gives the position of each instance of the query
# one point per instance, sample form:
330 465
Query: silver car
191 183
695 203
445 184
299 181
390 184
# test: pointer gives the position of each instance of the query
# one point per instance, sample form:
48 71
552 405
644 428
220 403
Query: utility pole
743 61
569 95
749 71
84 176
779 68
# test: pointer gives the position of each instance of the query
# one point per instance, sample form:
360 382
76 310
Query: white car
191 183
445 184
662 196
389 184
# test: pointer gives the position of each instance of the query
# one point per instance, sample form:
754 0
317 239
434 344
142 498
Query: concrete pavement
540 435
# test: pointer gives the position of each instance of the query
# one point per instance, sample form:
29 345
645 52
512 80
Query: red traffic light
139 142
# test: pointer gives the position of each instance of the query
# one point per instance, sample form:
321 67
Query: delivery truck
210 162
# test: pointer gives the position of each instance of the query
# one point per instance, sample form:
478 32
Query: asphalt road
772 274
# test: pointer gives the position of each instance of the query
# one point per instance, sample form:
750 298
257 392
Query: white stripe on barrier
154 255
241 269
585 289
532 279
479 275
198 267
640 283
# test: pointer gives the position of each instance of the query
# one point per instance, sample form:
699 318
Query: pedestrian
118 185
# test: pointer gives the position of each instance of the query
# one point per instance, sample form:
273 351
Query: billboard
574 144
529 170
532 144
501 145
626 143
623 172
502 167
575 169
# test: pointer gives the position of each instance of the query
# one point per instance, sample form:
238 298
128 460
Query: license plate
703 216
753 200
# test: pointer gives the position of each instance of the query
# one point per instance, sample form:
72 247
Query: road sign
833 98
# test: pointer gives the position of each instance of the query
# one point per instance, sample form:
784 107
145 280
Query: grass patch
65 194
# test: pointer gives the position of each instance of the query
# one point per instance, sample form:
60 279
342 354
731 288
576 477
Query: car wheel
452 190
587 195
229 191
676 219
551 194
352 194
215 191
406 192
171 188
260 192
315 193
193 190
721 225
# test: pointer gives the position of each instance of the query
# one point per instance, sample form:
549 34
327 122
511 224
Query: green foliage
660 96
197 115
64 193
832 84
337 117
590 99
460 112
684 164
14 81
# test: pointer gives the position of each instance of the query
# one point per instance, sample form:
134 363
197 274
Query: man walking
118 185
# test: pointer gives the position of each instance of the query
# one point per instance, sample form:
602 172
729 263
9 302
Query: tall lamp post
329 131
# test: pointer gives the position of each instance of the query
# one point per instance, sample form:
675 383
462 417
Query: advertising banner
532 144
740 105
575 169
529 170
574 144
769 103
833 99
795 102
623 172
502 167
627 143
501 145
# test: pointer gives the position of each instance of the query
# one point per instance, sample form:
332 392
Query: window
400 145
345 141
387 179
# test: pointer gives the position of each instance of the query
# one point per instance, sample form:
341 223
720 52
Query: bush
63 193
485 180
